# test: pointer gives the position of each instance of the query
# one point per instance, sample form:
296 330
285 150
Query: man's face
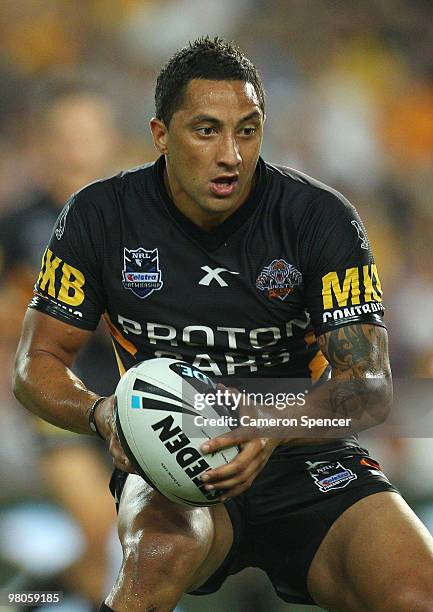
212 146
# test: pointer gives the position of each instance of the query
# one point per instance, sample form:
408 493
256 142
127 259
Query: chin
220 206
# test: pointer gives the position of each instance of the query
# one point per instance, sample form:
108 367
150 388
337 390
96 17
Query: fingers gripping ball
157 424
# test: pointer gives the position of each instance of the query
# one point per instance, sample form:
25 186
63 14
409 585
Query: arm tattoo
356 350
361 372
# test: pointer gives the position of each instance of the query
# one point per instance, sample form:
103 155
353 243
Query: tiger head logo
279 279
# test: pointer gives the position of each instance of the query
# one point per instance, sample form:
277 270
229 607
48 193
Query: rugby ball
158 402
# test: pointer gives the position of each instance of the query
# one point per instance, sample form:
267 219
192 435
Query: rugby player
256 271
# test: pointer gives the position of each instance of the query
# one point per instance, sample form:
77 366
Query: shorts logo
279 279
329 476
141 273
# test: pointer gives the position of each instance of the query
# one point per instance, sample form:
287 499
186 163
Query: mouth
224 185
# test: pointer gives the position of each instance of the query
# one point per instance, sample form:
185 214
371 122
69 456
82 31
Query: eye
248 131
206 131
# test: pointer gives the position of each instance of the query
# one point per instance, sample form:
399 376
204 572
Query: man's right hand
106 423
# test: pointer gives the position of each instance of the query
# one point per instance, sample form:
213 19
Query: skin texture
169 550
44 383
179 547
218 131
376 556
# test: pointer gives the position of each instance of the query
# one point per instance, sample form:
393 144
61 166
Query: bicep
43 333
356 351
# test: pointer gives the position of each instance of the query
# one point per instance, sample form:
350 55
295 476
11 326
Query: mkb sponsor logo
352 292
60 280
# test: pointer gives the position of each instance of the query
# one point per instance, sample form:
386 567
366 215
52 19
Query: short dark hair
205 58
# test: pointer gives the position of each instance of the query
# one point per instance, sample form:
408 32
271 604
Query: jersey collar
212 239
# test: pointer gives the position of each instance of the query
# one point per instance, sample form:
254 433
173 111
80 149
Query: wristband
92 420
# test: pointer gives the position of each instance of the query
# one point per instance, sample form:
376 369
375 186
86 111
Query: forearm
342 407
47 387
358 397
360 391
362 385
337 408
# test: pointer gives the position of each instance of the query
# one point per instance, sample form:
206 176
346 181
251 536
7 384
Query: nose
228 151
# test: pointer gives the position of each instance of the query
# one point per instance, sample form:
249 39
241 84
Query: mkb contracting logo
352 292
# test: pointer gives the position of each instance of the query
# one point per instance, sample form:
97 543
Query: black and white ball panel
156 411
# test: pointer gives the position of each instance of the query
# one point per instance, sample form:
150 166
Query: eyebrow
209 119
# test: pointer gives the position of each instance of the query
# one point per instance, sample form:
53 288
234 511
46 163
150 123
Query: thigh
182 544
377 549
295 501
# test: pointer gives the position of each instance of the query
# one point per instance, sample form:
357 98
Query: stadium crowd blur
350 101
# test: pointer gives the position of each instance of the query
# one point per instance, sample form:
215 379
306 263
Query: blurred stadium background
350 101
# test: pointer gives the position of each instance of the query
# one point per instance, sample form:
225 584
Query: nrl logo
141 273
332 475
279 279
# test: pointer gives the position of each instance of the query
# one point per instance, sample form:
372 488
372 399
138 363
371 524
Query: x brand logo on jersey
214 274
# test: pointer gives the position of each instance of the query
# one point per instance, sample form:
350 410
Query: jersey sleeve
69 285
341 280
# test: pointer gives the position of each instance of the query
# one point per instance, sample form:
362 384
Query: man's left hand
237 476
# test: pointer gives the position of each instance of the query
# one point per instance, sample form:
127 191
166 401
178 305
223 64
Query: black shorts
280 522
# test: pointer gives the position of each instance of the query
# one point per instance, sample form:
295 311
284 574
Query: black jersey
246 299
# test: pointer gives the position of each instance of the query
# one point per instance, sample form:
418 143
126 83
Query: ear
159 134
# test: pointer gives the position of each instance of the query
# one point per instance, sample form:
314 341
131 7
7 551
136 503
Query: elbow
380 391
19 378
18 389
17 384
